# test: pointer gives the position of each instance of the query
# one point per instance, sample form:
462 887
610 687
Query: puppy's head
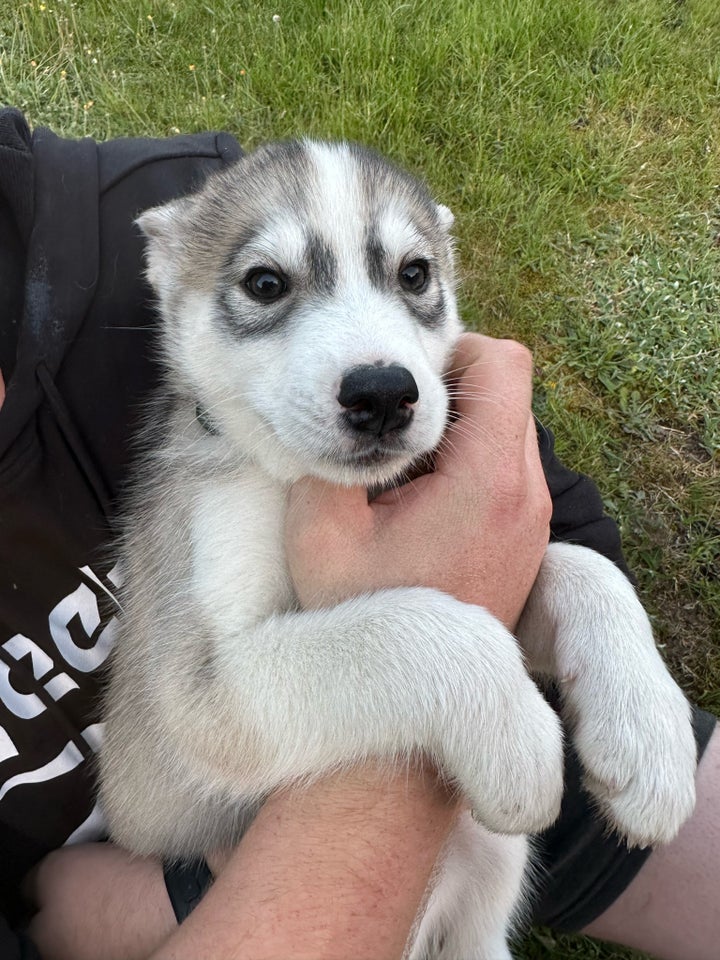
308 304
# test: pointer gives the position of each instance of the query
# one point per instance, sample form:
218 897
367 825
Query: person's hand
97 902
476 528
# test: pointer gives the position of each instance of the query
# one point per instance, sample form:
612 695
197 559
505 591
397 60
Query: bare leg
672 908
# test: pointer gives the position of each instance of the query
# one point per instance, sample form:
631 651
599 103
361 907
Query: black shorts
583 868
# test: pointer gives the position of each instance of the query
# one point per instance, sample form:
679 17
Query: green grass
577 143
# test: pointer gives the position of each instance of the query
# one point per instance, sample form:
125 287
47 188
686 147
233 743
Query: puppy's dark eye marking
265 285
322 262
375 256
414 276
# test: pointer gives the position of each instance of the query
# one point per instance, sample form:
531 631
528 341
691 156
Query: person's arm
339 869
336 871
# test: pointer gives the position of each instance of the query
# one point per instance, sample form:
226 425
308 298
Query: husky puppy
308 309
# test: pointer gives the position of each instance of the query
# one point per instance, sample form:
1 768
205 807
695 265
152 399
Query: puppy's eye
414 276
265 285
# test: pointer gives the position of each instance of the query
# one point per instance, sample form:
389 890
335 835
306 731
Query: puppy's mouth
367 465
366 459
378 455
383 466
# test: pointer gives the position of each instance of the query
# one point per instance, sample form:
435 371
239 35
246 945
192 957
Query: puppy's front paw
513 777
640 763
585 626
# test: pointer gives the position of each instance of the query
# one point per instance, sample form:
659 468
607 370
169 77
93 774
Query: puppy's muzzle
378 399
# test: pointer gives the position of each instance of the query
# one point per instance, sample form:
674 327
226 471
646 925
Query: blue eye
265 285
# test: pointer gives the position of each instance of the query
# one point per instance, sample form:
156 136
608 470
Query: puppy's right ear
164 228
162 223
156 222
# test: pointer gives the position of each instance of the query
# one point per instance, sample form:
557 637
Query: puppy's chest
238 569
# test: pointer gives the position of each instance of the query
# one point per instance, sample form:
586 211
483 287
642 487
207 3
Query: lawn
578 145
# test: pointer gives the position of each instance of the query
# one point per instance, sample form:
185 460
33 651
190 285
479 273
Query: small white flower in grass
276 18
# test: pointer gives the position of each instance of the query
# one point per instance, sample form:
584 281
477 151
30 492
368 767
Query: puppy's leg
584 626
393 675
475 897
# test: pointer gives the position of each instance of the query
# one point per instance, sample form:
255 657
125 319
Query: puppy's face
308 306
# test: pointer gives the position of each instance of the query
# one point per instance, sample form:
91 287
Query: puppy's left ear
445 216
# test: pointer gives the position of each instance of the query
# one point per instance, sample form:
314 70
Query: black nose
378 399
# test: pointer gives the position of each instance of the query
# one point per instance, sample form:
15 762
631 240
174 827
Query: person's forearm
338 870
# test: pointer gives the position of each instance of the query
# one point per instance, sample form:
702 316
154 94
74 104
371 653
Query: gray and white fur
308 317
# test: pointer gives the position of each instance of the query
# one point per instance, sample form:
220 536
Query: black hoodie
76 352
